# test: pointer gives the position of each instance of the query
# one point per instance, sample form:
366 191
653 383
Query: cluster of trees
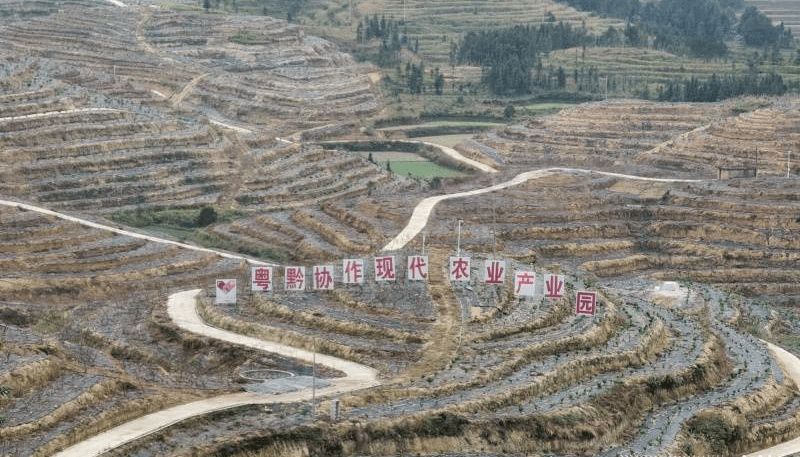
490 47
716 88
415 79
757 29
390 37
382 29
695 26
509 55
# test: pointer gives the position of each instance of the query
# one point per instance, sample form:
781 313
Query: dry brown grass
92 396
290 338
654 342
112 417
344 298
309 319
585 249
566 233
604 420
31 377
747 413
557 313
444 336
328 233
279 450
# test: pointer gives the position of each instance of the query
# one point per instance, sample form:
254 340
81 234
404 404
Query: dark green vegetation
192 225
512 63
616 49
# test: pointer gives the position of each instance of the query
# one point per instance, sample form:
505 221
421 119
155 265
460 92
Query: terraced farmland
86 341
153 111
106 160
260 71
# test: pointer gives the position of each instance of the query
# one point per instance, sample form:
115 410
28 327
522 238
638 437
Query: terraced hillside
606 134
687 139
738 234
85 336
261 69
528 377
105 111
764 138
258 71
106 160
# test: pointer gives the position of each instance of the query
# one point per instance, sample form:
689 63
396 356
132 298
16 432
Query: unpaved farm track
419 218
181 307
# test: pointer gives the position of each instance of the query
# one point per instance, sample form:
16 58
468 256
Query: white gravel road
181 307
419 218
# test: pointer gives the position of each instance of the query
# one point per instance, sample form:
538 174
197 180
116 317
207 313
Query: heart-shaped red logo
226 286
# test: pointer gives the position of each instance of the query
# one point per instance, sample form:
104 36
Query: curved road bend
419 218
181 308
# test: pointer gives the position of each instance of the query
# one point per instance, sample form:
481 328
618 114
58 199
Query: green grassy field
180 224
423 170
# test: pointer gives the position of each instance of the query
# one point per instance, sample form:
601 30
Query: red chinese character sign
554 286
384 269
226 291
353 271
323 277
524 283
294 278
261 279
417 267
459 269
494 271
585 302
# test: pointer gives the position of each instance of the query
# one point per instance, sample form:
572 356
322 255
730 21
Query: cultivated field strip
602 133
107 160
54 252
756 138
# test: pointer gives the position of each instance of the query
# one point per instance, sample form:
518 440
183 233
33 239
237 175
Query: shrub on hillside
206 217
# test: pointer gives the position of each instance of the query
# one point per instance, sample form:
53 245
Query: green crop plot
423 170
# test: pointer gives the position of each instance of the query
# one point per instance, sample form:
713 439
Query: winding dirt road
181 308
419 218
